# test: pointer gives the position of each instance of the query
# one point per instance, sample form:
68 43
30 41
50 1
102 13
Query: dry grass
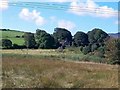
31 73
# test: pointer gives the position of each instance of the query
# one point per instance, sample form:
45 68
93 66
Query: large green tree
62 34
81 39
29 40
97 36
44 40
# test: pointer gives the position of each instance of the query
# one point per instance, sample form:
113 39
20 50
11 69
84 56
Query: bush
86 49
81 48
94 47
6 43
16 46
17 36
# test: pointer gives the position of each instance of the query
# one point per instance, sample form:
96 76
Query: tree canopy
81 39
44 40
97 36
62 34
29 40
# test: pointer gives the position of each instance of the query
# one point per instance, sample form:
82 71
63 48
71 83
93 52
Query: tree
63 35
112 52
81 39
6 43
29 40
44 40
97 36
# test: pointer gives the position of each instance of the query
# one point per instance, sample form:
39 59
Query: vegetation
12 35
29 40
50 69
82 61
44 40
81 39
6 43
63 36
95 42
112 52
97 36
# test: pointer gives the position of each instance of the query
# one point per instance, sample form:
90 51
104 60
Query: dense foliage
44 40
81 39
63 36
97 36
113 51
29 40
6 43
95 42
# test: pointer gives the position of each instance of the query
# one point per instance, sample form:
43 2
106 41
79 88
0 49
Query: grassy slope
12 36
22 71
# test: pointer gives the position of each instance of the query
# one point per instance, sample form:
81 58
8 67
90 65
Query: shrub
16 46
17 36
94 47
6 43
86 49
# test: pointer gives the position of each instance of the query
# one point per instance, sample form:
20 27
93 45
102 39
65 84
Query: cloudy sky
74 15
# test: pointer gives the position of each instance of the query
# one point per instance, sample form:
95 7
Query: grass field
54 54
11 33
18 41
52 69
12 36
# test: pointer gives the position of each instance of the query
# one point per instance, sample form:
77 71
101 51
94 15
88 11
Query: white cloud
91 8
66 24
3 4
34 16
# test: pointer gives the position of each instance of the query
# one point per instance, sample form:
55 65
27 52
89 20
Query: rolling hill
15 36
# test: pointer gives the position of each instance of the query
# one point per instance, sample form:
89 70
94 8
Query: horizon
53 32
73 16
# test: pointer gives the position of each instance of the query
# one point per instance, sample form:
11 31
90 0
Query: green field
11 34
52 69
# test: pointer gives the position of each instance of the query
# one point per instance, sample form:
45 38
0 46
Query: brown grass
29 73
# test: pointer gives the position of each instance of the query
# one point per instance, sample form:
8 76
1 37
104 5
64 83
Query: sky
74 15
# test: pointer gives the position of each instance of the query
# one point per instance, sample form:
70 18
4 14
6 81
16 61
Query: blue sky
74 15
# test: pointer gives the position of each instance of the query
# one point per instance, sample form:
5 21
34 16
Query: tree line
94 42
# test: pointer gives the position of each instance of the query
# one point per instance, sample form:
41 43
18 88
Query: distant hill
115 35
17 37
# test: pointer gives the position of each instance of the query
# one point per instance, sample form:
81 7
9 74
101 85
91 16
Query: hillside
15 36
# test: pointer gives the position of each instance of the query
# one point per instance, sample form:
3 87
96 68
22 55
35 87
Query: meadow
52 69
11 35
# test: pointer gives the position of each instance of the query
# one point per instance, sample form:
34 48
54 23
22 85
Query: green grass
53 54
19 41
11 35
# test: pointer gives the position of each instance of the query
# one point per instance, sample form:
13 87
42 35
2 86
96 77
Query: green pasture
11 35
